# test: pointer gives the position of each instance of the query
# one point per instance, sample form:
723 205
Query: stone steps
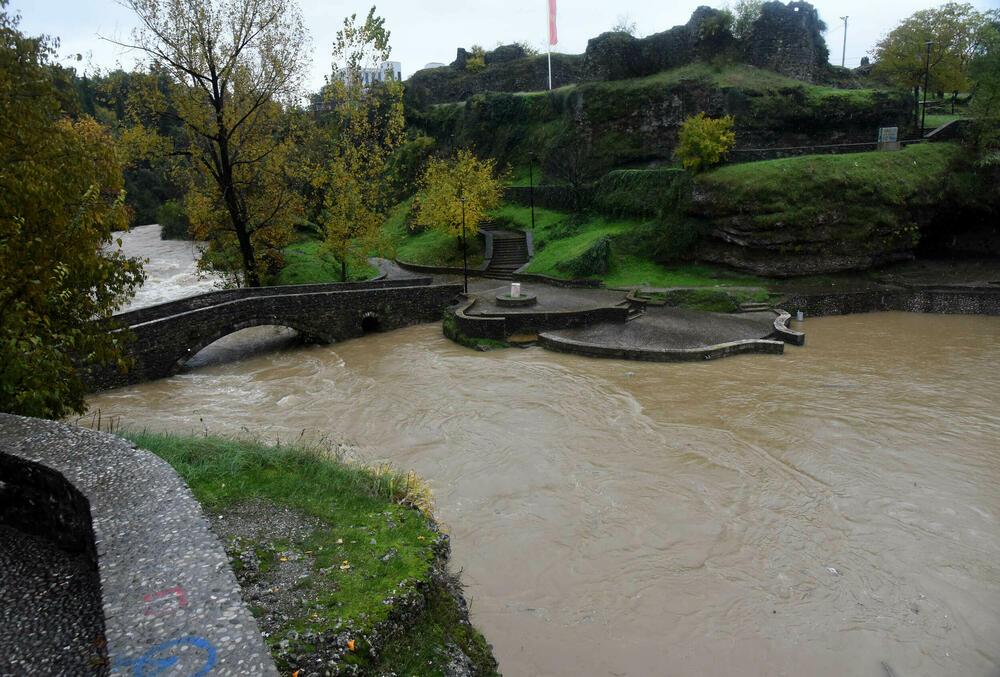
510 252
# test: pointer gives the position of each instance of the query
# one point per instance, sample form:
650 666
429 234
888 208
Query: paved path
664 328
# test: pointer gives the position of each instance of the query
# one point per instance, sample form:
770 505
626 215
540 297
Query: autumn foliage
704 141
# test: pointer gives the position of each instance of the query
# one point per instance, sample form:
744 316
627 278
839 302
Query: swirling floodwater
831 511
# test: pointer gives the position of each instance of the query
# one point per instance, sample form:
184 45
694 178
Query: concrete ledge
783 333
476 326
556 281
169 596
440 270
565 345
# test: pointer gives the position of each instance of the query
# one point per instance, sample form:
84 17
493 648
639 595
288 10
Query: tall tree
903 56
231 65
366 129
984 71
60 197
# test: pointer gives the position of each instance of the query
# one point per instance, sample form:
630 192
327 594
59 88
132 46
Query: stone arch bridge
168 334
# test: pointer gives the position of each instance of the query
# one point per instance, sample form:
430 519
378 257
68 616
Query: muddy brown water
831 511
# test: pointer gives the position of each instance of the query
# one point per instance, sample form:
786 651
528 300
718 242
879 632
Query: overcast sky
425 31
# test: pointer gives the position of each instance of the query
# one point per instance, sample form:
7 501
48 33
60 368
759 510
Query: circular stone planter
505 301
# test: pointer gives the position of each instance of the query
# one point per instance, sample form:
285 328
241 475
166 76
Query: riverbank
343 566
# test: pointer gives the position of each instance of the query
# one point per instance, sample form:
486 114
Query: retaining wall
170 599
499 326
565 345
944 300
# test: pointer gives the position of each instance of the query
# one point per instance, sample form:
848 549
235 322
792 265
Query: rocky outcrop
810 216
786 39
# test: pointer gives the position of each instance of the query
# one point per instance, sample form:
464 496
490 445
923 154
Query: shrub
477 61
594 261
704 141
174 223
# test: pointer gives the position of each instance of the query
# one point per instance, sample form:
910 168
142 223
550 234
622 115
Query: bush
704 141
665 240
638 192
174 223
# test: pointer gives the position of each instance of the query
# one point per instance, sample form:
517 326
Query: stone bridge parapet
169 334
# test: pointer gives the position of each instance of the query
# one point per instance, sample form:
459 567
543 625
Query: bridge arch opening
239 342
370 323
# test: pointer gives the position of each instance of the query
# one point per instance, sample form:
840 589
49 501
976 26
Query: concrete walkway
664 328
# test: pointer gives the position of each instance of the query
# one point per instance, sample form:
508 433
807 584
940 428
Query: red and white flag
552 23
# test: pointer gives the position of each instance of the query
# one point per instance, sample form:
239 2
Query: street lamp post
531 188
843 52
927 72
465 249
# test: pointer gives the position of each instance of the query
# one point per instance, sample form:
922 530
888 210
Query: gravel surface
51 620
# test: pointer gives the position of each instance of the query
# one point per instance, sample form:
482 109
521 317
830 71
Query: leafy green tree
704 141
367 128
446 181
902 57
60 197
984 71
745 12
230 65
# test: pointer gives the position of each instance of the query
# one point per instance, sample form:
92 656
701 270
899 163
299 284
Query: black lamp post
927 72
465 249
531 188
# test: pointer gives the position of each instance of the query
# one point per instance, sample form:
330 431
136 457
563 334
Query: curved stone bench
171 602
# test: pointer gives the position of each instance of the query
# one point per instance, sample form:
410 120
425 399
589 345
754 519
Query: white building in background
434 64
390 69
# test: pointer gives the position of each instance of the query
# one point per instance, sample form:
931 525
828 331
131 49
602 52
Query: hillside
581 131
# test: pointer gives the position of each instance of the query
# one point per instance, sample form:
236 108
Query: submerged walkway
603 323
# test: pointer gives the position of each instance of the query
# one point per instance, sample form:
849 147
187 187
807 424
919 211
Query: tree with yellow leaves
446 181
230 66
365 128
704 141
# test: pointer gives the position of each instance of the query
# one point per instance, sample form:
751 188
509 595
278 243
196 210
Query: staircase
751 307
510 252
636 309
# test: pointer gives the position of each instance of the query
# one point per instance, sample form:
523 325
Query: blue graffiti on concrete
153 662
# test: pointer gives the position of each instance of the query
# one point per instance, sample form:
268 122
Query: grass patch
370 547
935 120
307 263
428 247
562 237
862 196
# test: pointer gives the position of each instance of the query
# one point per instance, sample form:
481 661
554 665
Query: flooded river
831 511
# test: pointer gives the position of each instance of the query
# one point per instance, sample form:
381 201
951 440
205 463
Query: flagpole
552 37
